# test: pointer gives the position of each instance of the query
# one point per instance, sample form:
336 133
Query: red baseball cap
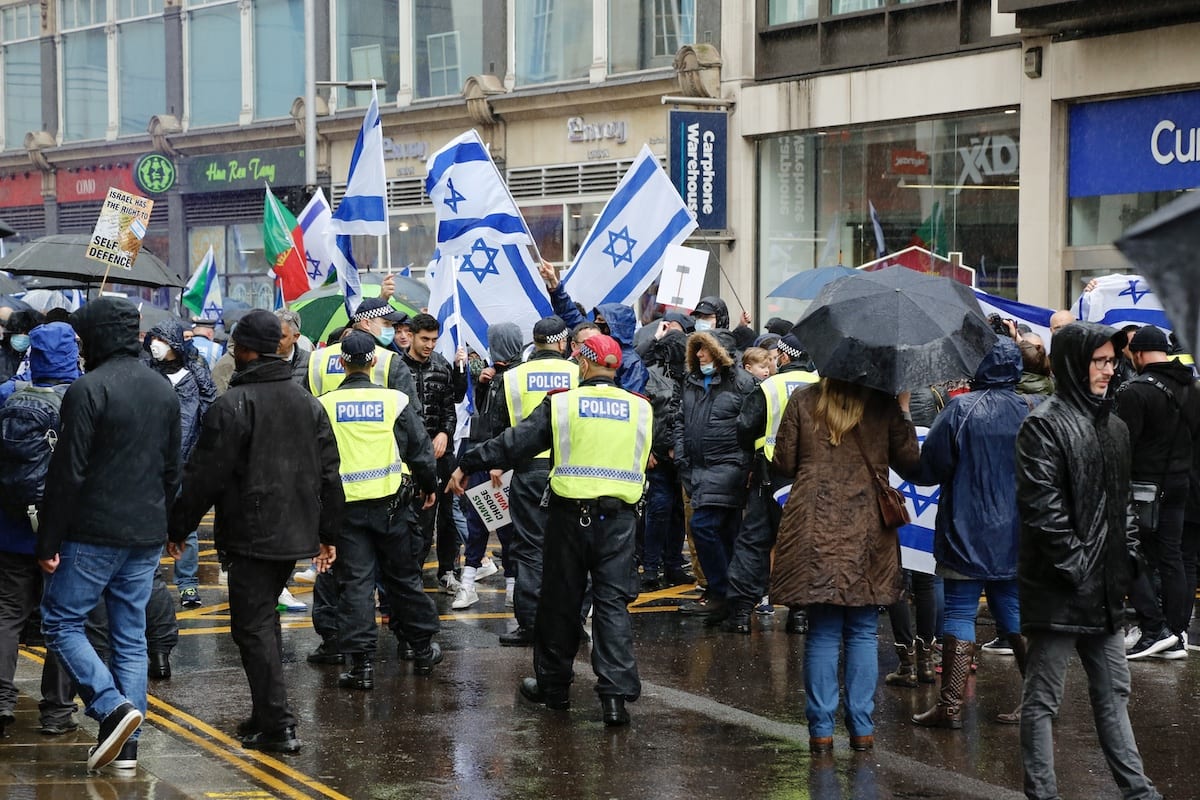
601 350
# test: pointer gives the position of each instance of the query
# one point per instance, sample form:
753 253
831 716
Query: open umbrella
10 285
8 301
62 256
324 308
153 315
809 283
1163 247
895 329
6 230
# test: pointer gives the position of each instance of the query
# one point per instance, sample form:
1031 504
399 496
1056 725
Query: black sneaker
1152 643
998 647
58 728
116 728
1174 652
127 758
190 598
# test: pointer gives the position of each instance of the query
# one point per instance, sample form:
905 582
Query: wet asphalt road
721 717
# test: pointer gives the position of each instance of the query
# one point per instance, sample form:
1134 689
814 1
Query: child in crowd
757 361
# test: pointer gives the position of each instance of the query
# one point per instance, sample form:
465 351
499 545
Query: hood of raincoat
53 354
108 327
621 322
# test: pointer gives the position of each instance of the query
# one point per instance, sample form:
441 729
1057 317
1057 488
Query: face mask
709 368
703 325
19 342
159 350
386 336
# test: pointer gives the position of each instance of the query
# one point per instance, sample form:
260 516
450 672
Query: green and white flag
202 295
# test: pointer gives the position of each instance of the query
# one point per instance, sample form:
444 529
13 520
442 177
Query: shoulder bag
892 509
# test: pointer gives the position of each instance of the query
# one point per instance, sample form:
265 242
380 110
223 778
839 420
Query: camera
1002 327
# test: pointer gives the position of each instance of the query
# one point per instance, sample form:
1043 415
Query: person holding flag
202 297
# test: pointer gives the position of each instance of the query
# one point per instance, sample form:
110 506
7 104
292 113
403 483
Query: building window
278 56
141 92
448 45
21 101
850 6
780 12
367 46
645 34
85 69
214 63
81 13
944 185
553 40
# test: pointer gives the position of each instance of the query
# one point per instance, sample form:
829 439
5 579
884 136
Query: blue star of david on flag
920 501
454 198
1133 293
315 270
611 250
480 272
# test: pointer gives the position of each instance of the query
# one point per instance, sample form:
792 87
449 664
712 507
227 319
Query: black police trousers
529 532
600 545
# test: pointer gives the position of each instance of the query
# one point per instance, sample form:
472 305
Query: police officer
599 438
525 386
384 448
758 422
376 317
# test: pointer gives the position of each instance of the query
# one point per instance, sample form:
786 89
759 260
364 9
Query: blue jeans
962 606
713 530
828 627
121 578
188 564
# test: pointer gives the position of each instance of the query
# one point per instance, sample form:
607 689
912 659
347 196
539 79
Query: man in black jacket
1161 408
112 477
267 459
1076 558
439 387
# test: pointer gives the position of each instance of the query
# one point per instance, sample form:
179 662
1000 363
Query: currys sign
1137 144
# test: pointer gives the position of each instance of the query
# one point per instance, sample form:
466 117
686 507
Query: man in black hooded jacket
1076 558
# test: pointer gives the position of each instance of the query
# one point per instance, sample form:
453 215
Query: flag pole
387 236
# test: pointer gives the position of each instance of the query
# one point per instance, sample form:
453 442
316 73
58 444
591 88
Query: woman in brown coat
834 555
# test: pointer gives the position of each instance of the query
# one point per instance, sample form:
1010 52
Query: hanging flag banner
491 502
117 238
699 144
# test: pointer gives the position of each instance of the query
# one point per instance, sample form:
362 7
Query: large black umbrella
895 329
1164 248
10 285
62 256
6 230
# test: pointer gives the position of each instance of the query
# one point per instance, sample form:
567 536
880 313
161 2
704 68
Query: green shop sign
246 169
154 173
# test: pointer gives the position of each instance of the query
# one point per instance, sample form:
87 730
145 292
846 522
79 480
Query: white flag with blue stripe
328 254
363 210
916 538
623 253
1036 317
470 199
1120 300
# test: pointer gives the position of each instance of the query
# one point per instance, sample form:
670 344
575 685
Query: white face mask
703 325
159 350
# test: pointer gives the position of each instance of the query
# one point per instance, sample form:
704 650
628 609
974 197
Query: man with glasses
1075 560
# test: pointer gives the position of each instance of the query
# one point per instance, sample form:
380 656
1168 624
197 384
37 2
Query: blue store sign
699 143
1142 144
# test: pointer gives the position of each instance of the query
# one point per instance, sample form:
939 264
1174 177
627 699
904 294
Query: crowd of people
677 452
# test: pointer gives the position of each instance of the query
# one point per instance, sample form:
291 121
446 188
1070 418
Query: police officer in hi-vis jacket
599 438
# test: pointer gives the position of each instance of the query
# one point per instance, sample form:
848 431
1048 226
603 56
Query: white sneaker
1132 637
450 584
487 568
288 603
464 599
306 576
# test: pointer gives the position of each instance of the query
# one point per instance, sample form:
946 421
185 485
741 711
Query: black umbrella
152 316
6 230
62 256
10 285
1163 247
895 329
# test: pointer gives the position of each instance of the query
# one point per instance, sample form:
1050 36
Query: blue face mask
703 325
19 342
386 336
709 368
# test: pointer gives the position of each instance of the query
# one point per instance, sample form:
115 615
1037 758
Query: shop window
780 12
366 46
945 185
414 237
645 34
278 59
546 225
447 47
214 63
21 91
580 219
553 40
1102 219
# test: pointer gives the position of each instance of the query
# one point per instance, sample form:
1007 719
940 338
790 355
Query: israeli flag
328 255
1120 300
916 538
470 199
363 209
623 253
1036 317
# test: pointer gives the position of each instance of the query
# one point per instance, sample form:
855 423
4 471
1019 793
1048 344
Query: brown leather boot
925 668
906 673
1017 641
956 667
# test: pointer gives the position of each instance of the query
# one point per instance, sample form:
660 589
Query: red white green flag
283 242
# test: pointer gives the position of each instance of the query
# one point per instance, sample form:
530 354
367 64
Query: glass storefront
240 258
946 185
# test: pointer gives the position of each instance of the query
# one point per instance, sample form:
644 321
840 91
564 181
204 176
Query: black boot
797 621
361 674
738 620
426 659
521 637
160 666
556 699
613 706
327 653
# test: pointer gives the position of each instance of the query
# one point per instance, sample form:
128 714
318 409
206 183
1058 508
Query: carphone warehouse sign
699 144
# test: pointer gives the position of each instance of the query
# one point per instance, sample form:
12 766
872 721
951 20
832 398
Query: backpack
29 426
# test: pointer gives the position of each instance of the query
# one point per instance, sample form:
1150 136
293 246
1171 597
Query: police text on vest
604 408
360 411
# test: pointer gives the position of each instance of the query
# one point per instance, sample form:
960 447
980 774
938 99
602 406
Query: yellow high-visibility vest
778 388
326 373
526 386
601 443
363 421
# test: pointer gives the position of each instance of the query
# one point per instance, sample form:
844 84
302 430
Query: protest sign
682 279
117 238
491 502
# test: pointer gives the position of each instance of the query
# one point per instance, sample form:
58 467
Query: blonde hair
755 355
839 408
